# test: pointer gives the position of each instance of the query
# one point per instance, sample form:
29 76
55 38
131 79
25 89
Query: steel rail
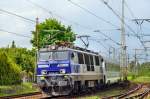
21 95
125 94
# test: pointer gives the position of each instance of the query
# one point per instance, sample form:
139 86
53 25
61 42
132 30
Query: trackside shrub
9 71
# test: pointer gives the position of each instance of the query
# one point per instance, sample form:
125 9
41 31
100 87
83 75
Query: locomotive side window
87 61
97 61
100 62
74 57
91 60
80 58
91 63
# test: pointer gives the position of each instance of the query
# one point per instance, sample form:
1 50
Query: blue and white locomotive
62 70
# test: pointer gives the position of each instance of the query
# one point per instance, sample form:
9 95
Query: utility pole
128 59
37 48
135 64
37 33
123 63
113 57
110 53
140 22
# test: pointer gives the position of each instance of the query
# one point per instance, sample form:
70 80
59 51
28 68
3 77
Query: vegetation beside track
17 89
140 73
16 64
140 79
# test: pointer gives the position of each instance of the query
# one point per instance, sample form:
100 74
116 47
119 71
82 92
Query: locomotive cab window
53 55
44 55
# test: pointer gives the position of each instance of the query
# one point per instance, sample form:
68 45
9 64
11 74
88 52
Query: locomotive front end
53 69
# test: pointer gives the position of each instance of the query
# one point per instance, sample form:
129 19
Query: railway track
35 95
39 95
138 92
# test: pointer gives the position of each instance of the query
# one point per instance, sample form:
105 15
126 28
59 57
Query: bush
9 71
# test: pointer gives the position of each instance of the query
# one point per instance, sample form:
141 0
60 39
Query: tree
50 32
131 66
13 61
13 45
144 69
9 71
22 57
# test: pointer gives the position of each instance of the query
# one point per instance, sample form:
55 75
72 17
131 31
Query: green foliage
144 69
24 58
112 67
17 89
141 73
13 61
141 79
13 44
131 66
9 71
50 32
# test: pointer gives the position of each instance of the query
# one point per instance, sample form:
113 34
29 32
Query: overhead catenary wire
35 4
107 37
86 27
14 14
121 19
52 13
139 24
11 13
19 16
14 33
98 41
88 11
102 44
93 14
131 12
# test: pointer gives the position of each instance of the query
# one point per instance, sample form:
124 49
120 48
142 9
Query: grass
17 89
140 79
27 88
115 91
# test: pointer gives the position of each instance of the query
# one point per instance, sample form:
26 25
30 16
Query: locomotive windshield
53 55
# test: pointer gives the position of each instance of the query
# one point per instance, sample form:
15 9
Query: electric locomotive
65 70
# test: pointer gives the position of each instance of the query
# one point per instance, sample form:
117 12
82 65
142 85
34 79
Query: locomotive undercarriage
57 90
55 86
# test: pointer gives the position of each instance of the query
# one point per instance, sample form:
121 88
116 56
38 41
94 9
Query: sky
82 22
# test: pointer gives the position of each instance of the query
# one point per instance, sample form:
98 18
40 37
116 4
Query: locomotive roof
77 49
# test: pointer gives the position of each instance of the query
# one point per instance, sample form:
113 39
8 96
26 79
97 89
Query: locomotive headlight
53 47
63 65
43 72
63 71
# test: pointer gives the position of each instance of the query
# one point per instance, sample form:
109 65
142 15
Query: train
65 70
